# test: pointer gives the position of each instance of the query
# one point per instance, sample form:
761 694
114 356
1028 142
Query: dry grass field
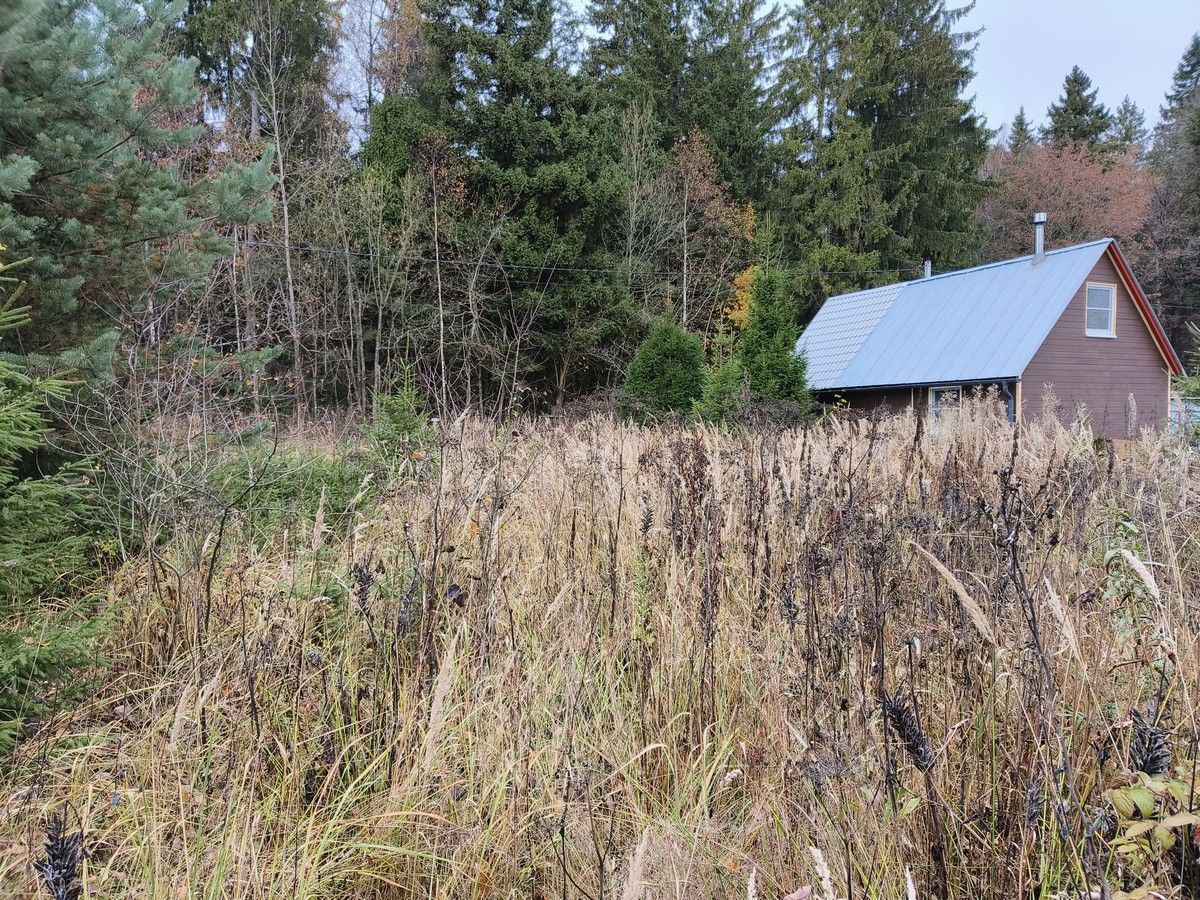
587 660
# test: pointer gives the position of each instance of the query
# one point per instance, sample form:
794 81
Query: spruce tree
89 188
640 55
883 150
1174 243
1185 80
1078 117
764 371
1128 130
1020 134
727 95
537 140
44 545
834 212
256 57
914 67
766 348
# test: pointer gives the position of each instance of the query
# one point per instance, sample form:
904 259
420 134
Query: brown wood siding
893 401
896 400
1098 373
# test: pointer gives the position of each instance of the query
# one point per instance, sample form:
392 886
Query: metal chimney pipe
928 268
1039 234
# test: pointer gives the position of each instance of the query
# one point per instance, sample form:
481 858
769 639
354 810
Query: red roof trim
1143 305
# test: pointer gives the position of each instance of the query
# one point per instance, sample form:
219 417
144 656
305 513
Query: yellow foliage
739 303
749 221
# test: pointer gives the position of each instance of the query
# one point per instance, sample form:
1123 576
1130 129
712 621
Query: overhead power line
549 268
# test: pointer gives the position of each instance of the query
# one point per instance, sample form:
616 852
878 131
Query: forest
408 486
491 203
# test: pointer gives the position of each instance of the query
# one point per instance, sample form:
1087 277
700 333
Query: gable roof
980 324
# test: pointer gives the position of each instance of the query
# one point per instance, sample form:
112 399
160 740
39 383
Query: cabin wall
886 401
895 400
1098 374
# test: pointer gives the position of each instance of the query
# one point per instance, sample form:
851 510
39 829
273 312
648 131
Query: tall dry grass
588 660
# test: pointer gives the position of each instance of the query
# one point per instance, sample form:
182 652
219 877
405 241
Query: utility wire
548 269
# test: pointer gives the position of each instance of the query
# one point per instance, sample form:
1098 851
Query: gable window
947 398
1101 310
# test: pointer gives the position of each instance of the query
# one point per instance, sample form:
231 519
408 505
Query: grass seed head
904 719
64 858
1149 751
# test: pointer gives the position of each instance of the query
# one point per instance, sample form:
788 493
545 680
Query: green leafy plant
289 485
1153 814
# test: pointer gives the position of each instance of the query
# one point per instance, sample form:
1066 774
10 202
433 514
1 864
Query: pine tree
1020 134
640 55
89 183
727 97
44 544
1077 117
1128 130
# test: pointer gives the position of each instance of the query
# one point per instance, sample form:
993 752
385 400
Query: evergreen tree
1173 282
727 96
834 209
837 211
883 151
1186 79
1078 117
89 123
666 375
537 140
723 391
44 542
640 55
1128 131
914 68
1020 135
767 346
764 370
259 60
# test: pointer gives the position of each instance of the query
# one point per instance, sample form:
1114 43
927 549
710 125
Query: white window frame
934 408
1111 331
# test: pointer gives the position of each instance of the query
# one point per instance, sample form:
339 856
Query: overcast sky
1028 46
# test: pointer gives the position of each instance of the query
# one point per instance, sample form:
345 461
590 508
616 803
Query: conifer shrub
666 376
400 427
724 392
46 631
763 379
767 349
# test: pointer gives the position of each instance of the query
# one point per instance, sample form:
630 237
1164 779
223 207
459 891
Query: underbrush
590 660
276 487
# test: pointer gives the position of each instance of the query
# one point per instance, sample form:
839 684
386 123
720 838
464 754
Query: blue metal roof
976 324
